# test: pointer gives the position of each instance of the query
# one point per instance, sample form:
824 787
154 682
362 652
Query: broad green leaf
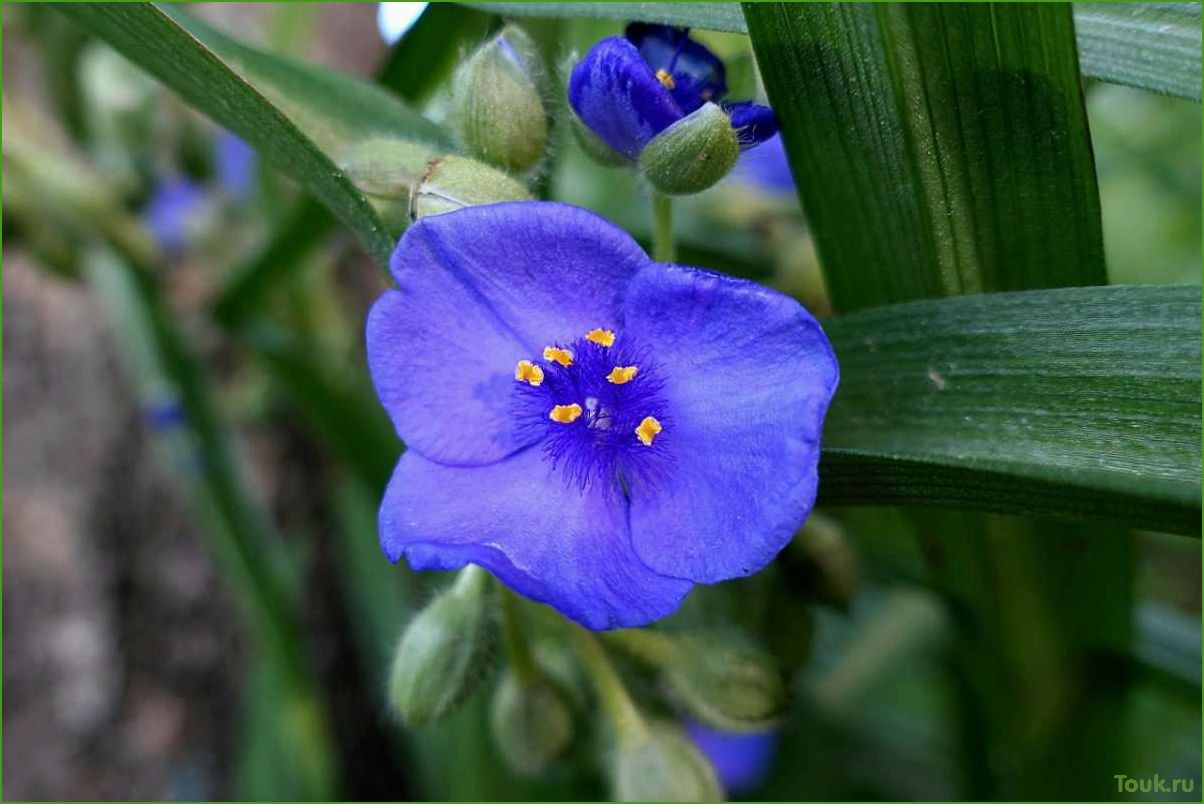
1081 402
973 173
303 119
1153 46
713 16
928 177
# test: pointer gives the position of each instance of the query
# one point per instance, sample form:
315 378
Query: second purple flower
627 90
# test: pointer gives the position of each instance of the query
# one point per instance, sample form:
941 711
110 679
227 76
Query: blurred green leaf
304 119
930 177
1080 402
174 396
1153 46
341 413
245 290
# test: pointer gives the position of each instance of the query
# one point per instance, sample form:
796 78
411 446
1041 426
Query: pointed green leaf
1153 46
926 176
305 120
1080 402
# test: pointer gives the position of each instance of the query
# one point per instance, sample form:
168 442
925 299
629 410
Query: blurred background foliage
194 602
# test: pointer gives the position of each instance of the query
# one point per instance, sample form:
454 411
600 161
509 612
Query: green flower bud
594 148
692 154
453 182
498 110
726 683
531 722
663 766
387 168
722 680
442 656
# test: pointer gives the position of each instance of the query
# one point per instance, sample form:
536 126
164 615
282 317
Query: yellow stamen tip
566 414
602 337
526 371
622 374
648 430
665 79
562 356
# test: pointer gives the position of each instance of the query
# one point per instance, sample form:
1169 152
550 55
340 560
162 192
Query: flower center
595 405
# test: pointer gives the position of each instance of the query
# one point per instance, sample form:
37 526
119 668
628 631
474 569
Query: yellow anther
526 371
665 79
602 337
622 374
562 356
567 414
648 430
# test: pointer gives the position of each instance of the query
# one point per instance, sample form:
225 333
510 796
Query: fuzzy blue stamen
590 412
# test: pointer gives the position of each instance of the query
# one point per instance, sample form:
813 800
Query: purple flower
175 202
628 90
741 760
766 168
597 430
235 161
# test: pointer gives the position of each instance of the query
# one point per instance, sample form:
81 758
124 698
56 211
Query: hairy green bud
443 654
726 683
531 721
692 154
454 182
387 168
663 766
721 679
498 109
406 181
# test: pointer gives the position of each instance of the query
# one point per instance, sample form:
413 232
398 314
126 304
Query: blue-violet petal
478 290
698 74
618 96
753 122
541 537
748 375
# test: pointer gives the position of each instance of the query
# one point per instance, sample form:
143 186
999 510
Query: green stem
626 719
517 649
653 647
663 247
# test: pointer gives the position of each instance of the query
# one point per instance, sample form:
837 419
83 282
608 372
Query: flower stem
654 647
626 719
517 649
663 247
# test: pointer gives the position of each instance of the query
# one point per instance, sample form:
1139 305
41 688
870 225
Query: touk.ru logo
1152 784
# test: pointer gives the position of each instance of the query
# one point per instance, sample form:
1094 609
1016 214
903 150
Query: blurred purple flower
741 760
629 89
766 168
235 164
173 205
597 430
